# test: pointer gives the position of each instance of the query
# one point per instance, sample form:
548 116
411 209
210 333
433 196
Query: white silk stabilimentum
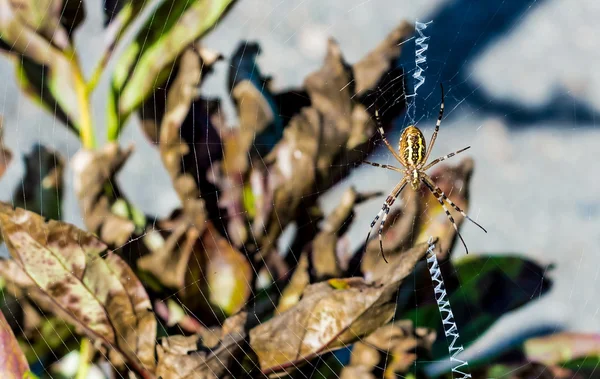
460 368
420 61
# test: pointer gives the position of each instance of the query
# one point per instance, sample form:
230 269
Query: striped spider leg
441 197
385 210
413 154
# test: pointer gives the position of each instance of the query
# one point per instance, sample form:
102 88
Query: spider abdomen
412 146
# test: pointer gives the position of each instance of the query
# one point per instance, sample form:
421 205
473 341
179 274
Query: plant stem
122 21
85 355
86 128
99 69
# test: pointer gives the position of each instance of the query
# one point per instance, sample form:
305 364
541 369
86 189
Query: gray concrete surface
535 185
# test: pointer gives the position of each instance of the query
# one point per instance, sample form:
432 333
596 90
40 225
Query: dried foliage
205 293
5 154
392 348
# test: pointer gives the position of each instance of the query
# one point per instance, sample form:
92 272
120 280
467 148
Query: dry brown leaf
454 181
182 93
394 346
368 71
292 292
5 154
330 315
319 144
173 246
199 266
322 255
101 297
209 355
93 172
13 363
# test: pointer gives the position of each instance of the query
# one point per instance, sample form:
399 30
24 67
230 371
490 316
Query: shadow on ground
461 31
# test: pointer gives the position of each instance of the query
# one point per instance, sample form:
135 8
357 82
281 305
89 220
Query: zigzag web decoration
460 368
420 66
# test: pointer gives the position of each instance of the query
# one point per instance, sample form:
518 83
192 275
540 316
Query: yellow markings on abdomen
412 146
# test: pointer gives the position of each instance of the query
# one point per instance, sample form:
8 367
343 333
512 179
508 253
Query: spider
412 155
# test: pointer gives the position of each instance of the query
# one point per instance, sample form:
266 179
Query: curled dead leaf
394 346
182 97
94 173
203 267
208 355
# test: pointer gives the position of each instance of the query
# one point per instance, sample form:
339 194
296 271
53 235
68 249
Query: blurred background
522 90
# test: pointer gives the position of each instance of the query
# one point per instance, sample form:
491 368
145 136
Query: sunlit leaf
563 347
326 256
93 289
211 277
39 44
327 318
527 370
148 61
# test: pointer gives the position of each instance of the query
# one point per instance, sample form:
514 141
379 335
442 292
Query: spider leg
381 212
436 161
389 167
437 126
385 141
450 218
385 210
440 194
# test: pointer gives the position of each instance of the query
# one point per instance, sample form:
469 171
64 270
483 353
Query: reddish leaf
562 347
13 363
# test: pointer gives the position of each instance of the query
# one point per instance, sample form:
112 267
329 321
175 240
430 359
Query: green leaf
490 287
147 62
39 44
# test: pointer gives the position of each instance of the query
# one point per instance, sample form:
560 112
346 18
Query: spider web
511 164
